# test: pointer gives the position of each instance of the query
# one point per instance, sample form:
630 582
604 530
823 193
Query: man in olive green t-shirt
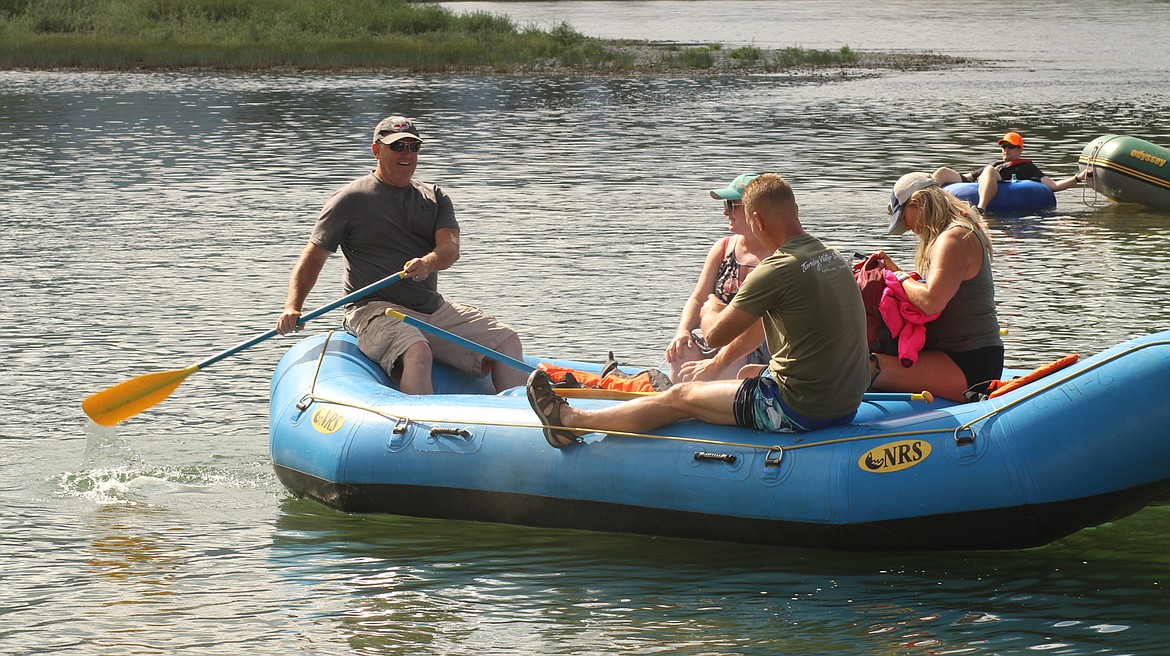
812 313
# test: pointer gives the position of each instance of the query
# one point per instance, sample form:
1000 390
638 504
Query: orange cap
1013 139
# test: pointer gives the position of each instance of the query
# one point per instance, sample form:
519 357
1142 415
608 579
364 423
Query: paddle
127 399
620 395
462 341
594 392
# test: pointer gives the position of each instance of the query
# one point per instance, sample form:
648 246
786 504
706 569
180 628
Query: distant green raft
1129 170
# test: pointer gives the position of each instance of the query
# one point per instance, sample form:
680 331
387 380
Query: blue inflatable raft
1085 445
1014 197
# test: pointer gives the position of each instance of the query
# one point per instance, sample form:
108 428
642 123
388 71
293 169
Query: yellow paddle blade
127 399
596 393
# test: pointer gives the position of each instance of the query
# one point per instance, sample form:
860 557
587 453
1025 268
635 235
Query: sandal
569 381
547 405
659 381
610 367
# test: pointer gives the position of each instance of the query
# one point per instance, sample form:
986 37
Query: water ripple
151 220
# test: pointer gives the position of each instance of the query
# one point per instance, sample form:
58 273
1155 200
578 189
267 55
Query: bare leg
750 371
706 369
988 186
944 176
711 402
416 369
934 372
506 376
688 354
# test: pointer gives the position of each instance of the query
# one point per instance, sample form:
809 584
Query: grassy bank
337 35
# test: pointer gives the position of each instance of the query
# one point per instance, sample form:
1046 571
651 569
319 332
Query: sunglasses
730 205
399 146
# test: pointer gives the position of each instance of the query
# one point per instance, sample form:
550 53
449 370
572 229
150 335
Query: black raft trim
1006 528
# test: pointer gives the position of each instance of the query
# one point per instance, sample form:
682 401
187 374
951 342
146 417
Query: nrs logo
894 456
327 420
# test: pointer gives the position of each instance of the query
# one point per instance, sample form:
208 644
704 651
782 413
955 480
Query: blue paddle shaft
348 298
462 341
894 396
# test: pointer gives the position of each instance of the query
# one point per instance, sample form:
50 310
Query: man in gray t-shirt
384 222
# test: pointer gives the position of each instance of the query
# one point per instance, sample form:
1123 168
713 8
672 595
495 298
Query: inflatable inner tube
1016 197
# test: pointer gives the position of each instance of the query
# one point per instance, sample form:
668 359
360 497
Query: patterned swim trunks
758 405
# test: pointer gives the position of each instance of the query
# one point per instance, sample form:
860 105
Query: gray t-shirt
379 227
969 320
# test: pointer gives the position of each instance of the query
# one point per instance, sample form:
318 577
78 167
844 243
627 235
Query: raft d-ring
305 402
964 436
774 461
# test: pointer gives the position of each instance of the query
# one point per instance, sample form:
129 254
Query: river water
149 221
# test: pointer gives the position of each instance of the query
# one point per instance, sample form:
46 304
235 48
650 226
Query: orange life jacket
639 382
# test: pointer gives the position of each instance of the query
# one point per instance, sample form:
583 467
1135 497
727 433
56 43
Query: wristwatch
902 276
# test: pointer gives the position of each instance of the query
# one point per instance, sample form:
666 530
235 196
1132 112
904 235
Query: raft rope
1096 200
1056 383
312 397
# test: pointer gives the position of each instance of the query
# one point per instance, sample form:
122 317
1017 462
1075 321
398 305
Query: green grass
333 35
262 34
746 53
799 56
700 58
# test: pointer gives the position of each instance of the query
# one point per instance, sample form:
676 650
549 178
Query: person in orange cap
1011 165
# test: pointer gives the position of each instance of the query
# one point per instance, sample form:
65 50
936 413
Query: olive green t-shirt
815 323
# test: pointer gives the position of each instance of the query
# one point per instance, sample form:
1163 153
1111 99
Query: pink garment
906 322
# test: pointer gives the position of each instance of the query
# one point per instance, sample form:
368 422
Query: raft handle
770 461
720 457
401 426
305 402
453 432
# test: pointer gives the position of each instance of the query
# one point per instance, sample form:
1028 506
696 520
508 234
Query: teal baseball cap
734 191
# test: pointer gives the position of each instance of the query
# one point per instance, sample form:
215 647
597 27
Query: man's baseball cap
904 188
734 191
393 128
1012 139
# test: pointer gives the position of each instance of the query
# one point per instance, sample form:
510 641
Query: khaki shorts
384 339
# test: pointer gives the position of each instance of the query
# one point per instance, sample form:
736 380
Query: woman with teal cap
729 261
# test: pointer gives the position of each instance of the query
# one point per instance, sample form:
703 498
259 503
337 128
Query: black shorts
979 365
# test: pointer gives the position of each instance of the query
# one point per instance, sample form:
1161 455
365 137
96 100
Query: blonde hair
938 212
769 195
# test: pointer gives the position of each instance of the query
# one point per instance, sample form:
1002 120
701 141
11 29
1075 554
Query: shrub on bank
255 34
337 35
